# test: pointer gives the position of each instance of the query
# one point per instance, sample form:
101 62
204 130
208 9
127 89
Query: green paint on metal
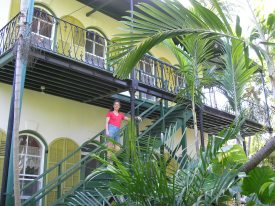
23 65
6 58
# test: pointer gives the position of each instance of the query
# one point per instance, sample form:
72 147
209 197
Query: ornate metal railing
59 36
156 73
255 111
9 35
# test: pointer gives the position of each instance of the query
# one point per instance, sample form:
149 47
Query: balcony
70 62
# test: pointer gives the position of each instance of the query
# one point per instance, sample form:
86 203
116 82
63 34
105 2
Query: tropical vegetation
191 35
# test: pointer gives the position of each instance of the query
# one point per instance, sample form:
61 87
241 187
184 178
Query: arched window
31 162
95 49
42 28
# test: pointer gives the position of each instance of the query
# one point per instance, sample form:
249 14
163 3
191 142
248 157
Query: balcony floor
78 81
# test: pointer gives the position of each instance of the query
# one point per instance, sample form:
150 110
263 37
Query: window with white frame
95 49
42 28
146 67
31 163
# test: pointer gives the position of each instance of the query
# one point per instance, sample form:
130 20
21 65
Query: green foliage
144 180
229 155
261 182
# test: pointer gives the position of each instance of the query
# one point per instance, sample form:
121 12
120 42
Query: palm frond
237 72
151 26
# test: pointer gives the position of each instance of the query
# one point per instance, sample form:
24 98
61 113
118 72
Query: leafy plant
143 180
237 72
260 184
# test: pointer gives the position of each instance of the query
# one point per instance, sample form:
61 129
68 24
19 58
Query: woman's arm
138 118
106 125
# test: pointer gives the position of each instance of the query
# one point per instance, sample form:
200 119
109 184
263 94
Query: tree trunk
259 156
195 128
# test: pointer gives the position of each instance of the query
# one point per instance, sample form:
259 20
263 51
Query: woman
113 122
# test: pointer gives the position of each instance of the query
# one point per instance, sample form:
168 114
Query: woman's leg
112 133
117 139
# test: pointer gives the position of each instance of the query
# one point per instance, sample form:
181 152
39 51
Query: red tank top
115 119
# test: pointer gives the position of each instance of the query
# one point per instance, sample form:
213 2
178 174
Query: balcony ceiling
113 8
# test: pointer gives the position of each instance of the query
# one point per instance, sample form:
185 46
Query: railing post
59 182
137 125
162 125
162 75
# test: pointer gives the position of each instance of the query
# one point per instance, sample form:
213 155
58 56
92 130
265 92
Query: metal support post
26 9
201 127
162 125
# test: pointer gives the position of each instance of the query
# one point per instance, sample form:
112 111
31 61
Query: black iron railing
55 35
9 35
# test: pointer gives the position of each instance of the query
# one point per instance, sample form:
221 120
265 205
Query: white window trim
94 43
38 26
41 164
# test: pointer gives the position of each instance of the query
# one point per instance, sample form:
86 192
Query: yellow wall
190 140
14 8
4 12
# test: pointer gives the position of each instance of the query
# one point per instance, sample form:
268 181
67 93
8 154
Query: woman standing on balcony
113 123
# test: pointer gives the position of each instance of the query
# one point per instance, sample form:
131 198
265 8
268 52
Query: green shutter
58 150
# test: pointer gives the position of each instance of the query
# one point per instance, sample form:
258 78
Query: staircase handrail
68 156
159 120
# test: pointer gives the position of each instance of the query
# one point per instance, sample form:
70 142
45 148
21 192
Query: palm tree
193 58
238 70
145 180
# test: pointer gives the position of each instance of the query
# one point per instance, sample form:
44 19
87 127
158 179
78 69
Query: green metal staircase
91 190
55 177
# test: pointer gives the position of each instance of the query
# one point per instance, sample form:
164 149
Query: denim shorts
114 132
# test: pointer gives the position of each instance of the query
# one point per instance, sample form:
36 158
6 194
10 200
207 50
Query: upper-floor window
95 48
147 71
42 28
146 68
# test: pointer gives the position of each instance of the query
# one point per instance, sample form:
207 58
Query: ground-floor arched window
31 162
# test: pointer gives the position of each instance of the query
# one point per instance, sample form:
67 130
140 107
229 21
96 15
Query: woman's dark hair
112 108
